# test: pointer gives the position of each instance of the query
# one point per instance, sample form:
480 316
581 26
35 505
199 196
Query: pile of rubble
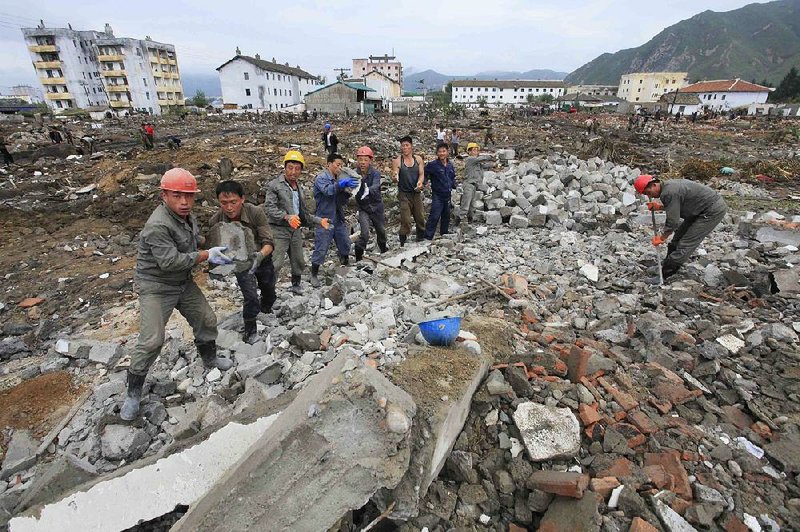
611 403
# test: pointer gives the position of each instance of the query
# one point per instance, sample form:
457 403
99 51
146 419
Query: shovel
658 252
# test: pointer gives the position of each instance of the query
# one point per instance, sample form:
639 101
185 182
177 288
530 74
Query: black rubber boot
383 247
296 284
208 353
669 268
315 282
359 254
403 240
420 236
130 408
250 330
344 260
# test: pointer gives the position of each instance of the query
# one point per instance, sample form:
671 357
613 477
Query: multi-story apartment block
82 69
495 93
253 83
385 64
593 90
650 86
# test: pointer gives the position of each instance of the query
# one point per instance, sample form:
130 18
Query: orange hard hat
179 180
642 181
365 150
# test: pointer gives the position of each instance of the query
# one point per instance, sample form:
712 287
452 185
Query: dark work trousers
440 211
376 219
689 236
264 280
323 238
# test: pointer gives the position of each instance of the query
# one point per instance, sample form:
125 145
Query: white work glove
258 258
217 256
366 193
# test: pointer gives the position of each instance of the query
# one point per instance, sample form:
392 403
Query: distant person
87 143
150 133
329 140
454 143
7 158
55 135
441 134
489 136
173 142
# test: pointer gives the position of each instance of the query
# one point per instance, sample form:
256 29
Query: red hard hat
642 181
179 180
365 150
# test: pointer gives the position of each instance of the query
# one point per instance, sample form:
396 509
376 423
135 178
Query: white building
83 69
252 83
385 64
593 90
726 94
650 86
473 93
27 93
386 89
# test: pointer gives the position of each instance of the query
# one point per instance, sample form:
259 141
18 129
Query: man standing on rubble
442 175
168 251
700 207
370 202
474 166
286 212
7 158
408 173
331 194
329 140
261 274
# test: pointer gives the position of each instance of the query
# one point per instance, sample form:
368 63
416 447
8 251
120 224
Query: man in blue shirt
331 194
442 175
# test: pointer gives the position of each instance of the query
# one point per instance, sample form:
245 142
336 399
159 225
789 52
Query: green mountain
758 41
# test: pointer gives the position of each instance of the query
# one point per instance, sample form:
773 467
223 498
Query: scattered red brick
623 399
734 416
325 339
371 363
672 465
529 317
631 433
516 528
659 477
603 486
592 389
622 467
29 302
731 523
661 406
564 483
619 416
680 505
676 394
761 428
640 525
589 414
577 363
642 422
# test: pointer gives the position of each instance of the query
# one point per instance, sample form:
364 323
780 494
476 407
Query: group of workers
171 243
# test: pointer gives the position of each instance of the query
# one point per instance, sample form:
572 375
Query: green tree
199 99
545 98
788 89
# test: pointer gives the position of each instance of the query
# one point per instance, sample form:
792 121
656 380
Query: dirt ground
39 403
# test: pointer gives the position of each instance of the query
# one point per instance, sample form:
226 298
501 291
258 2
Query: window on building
246 76
247 92
640 82
723 97
147 95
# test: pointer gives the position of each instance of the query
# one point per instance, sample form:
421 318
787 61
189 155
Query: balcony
167 103
43 48
52 81
172 62
113 73
120 104
47 64
158 73
117 88
115 57
58 96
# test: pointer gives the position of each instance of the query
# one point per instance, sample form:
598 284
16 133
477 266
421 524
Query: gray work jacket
278 203
168 248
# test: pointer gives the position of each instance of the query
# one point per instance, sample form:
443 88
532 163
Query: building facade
593 90
650 86
726 94
385 64
474 93
83 69
343 97
252 83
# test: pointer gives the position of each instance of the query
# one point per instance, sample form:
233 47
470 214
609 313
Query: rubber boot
315 282
344 260
130 408
456 220
420 235
359 254
383 247
403 240
296 285
249 335
208 352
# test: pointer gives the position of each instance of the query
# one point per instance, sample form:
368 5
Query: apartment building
650 86
83 69
496 93
384 64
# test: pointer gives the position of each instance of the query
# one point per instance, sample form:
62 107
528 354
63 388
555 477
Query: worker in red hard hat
370 202
700 208
168 251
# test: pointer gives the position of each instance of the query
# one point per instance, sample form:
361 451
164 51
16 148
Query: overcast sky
457 37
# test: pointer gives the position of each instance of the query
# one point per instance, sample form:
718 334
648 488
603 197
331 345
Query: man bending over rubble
473 178
168 251
286 213
700 207
261 274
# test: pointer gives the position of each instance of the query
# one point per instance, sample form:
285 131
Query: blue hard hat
327 126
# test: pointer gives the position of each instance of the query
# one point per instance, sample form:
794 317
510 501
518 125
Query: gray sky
448 36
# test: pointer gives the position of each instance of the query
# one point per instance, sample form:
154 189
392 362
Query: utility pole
341 72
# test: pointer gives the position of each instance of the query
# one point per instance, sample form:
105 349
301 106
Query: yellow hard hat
294 155
472 145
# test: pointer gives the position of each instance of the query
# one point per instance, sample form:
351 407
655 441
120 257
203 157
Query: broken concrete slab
123 442
326 454
20 455
395 260
565 513
60 476
779 236
787 282
548 432
148 492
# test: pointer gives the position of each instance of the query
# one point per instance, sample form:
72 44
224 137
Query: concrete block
493 218
240 242
20 455
107 353
151 491
326 454
548 432
60 476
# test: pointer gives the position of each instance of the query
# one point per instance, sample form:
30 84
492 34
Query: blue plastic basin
443 331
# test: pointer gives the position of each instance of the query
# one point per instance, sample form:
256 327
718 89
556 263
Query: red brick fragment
577 363
761 428
737 418
640 525
680 505
642 422
677 394
659 477
29 302
623 399
603 486
672 465
564 483
589 414
622 467
662 406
